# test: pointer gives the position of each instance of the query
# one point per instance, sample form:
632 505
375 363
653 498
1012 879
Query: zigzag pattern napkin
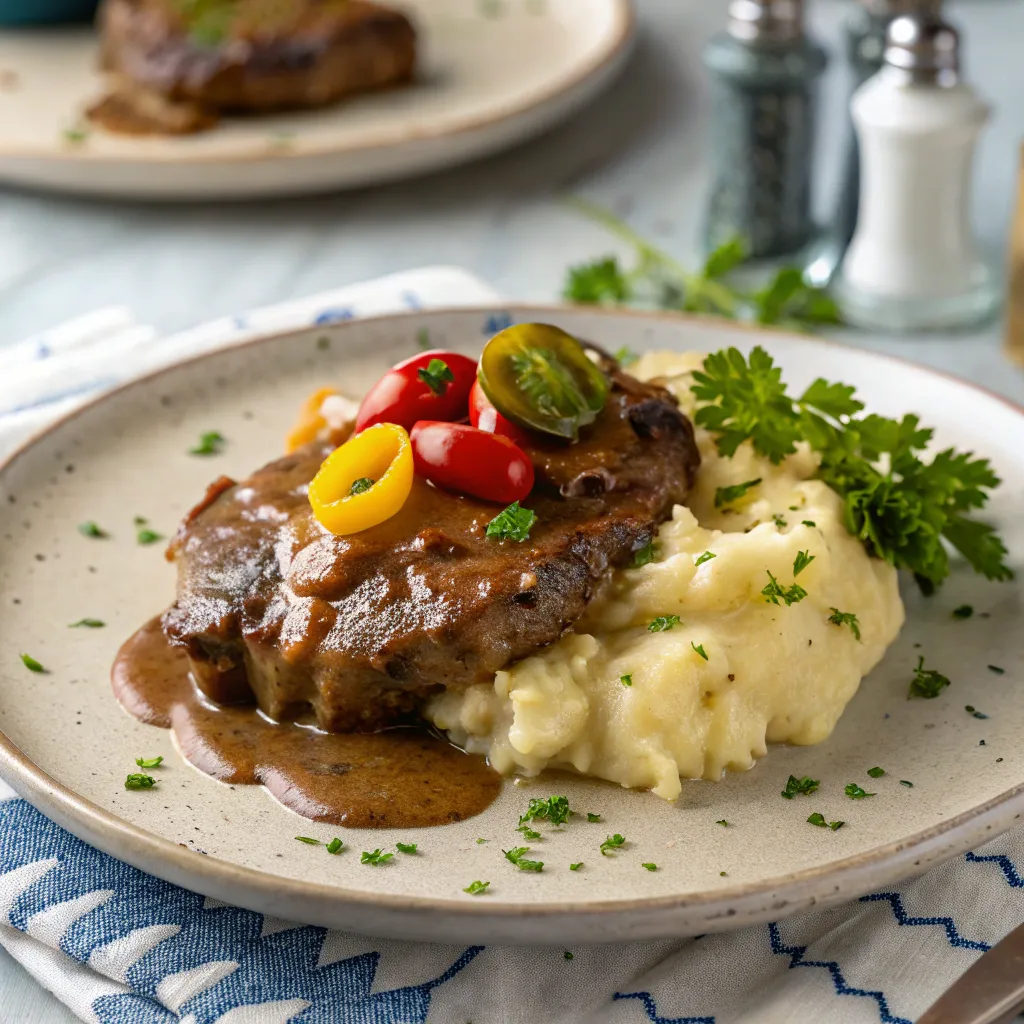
122 947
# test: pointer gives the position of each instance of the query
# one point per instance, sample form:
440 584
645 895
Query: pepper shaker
912 264
765 70
864 36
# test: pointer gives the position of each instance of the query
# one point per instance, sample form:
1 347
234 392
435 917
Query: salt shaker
764 70
912 263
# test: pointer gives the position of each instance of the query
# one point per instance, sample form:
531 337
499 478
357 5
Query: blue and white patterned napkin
121 947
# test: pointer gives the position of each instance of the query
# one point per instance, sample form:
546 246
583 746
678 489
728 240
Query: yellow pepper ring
309 424
381 453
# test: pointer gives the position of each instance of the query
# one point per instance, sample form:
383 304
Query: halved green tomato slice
540 377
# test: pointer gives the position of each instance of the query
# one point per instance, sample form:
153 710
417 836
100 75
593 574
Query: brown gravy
400 778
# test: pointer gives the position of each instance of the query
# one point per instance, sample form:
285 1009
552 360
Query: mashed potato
773 673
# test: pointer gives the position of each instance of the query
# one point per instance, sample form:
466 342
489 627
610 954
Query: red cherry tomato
484 416
405 395
461 458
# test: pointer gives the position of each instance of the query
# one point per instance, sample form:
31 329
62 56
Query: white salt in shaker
912 263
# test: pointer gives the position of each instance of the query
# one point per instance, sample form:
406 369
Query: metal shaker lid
925 46
773 21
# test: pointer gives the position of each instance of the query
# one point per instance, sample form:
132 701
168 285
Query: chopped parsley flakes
87 624
975 714
436 375
802 560
727 495
644 556
804 786
722 822
376 857
567 955
819 819
476 888
591 816
927 682
808 522
649 866
147 536
625 356
909 785
699 649
480 842
773 591
663 623
361 486
517 856
965 611
150 762
627 679
210 443
855 792
513 523
136 781
405 847
997 670
554 809
335 845
309 841
528 833
838 618
612 843
91 529
876 773
779 521
706 557
576 866
31 664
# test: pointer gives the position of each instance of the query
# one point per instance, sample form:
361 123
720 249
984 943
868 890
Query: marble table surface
640 149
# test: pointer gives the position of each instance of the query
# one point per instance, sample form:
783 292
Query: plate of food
234 99
525 625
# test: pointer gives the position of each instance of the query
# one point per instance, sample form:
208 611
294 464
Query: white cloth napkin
121 947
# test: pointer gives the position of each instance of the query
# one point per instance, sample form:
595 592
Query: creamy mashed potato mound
773 673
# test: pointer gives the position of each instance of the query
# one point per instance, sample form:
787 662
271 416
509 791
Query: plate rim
604 61
406 916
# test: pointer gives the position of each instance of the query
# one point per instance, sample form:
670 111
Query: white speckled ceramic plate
492 72
67 745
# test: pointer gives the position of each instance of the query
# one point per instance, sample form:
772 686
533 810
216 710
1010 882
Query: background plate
68 745
486 82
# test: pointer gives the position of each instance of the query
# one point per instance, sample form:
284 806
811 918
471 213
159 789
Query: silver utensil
991 992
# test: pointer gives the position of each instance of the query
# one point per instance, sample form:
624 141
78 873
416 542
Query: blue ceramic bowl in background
45 12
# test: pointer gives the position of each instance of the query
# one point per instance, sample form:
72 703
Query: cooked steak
249 55
364 628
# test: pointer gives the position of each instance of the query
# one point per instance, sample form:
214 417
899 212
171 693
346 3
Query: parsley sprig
901 507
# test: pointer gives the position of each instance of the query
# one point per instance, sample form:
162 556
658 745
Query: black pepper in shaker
765 71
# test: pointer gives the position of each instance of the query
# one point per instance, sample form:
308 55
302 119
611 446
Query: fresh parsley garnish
802 560
361 486
335 845
699 649
436 375
706 557
819 819
480 842
87 624
927 682
31 664
838 618
309 841
210 443
900 507
625 356
150 762
662 623
973 712
855 792
528 833
611 843
649 866
876 773
909 785
567 955
627 679
405 847
517 856
513 523
476 888
804 786
997 670
722 822
808 522
91 529
148 536
375 857
576 866
725 496
965 611
773 591
136 781
644 555
597 283
554 809
591 816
